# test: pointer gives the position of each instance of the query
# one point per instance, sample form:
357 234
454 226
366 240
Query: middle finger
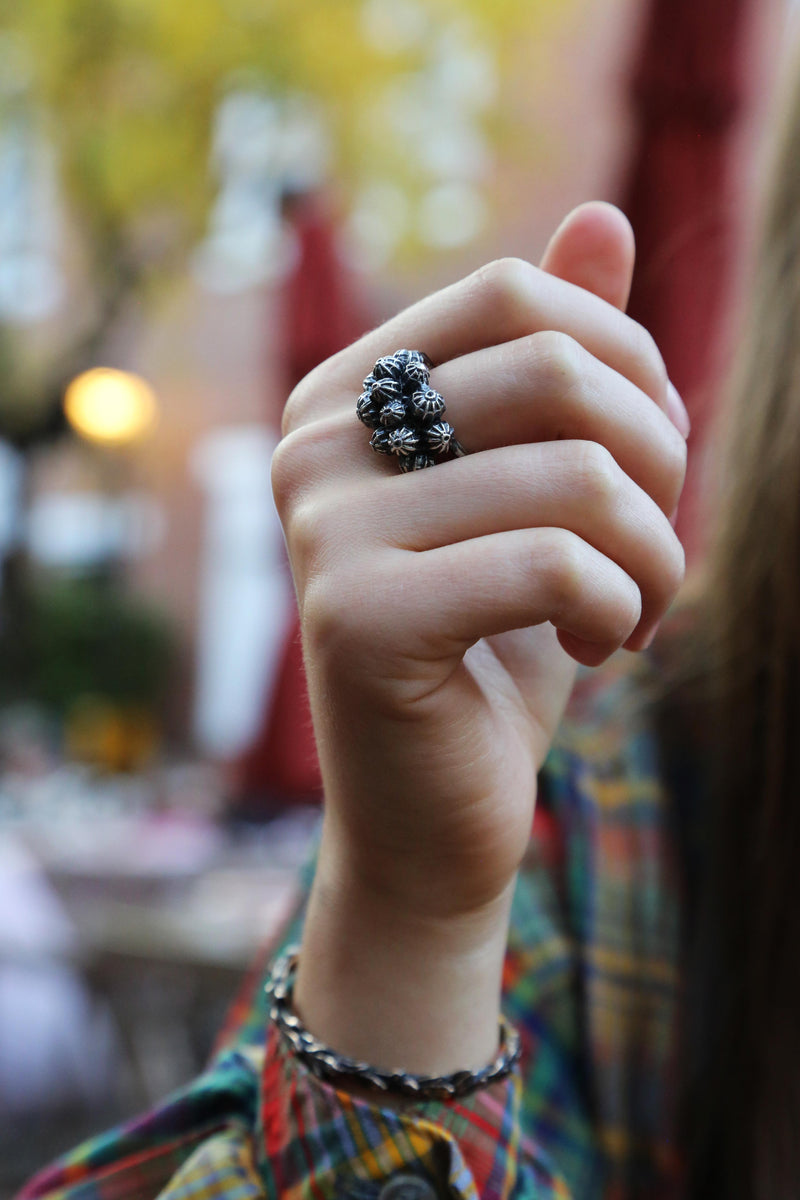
547 387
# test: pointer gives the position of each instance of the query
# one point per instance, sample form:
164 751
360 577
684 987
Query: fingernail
677 411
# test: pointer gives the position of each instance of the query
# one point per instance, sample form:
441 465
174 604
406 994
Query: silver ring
405 413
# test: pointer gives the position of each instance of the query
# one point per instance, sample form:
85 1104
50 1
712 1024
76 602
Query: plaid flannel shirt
590 981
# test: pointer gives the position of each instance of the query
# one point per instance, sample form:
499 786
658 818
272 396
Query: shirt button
407 1187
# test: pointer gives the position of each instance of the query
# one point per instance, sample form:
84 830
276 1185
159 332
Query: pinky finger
524 577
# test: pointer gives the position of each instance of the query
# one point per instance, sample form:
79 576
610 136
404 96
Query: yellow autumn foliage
127 88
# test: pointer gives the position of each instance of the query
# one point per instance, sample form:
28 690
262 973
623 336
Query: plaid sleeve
317 1141
592 974
258 1124
138 1160
591 982
296 1138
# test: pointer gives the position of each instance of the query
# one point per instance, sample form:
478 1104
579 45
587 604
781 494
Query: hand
443 611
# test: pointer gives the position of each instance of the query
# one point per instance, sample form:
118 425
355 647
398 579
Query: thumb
594 248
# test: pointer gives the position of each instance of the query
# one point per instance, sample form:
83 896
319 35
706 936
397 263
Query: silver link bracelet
326 1064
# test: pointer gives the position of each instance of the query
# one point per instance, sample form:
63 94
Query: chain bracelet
326 1064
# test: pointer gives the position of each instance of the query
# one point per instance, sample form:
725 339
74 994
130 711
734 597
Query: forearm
394 988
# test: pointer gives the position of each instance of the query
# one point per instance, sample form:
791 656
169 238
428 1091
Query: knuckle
622 612
324 620
322 612
627 610
675 457
561 560
296 464
307 531
625 618
597 475
504 282
293 409
664 577
675 567
335 625
302 401
558 361
286 467
650 356
671 469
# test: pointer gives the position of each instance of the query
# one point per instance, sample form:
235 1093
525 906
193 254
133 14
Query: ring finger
569 485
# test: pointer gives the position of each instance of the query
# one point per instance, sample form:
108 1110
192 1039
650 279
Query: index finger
500 302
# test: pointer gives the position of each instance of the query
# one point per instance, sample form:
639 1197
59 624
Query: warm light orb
111 407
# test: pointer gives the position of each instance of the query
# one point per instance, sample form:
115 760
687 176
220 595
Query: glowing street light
110 407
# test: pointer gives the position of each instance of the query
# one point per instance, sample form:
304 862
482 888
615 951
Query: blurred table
168 966
168 911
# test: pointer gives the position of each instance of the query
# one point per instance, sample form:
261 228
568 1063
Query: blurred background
199 201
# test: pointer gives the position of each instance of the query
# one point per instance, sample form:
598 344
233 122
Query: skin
443 615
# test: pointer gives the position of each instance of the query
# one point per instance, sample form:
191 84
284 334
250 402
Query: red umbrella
689 86
321 315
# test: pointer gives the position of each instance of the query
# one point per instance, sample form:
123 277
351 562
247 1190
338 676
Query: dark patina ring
405 413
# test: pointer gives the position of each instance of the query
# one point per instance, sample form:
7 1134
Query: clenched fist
443 612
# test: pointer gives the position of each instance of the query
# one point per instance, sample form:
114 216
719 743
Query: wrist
394 1086
383 981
